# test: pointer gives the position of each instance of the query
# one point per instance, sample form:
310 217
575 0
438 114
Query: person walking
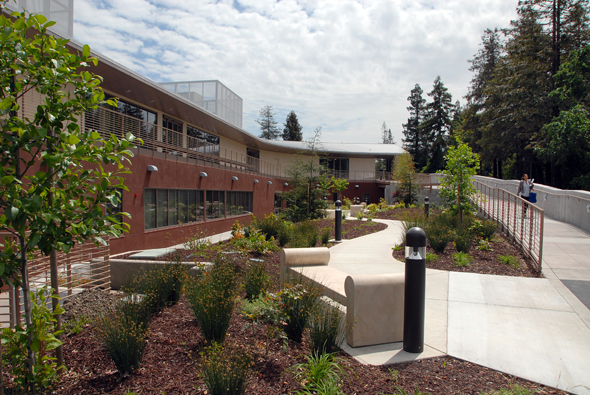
524 191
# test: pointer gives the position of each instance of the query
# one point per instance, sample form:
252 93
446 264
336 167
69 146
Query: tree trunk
27 302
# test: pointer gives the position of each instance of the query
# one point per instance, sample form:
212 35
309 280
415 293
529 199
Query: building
197 168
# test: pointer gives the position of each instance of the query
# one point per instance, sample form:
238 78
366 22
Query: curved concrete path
533 328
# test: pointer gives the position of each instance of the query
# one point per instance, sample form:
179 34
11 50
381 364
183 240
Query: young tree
338 185
456 187
415 141
404 172
268 125
305 198
54 176
437 125
292 130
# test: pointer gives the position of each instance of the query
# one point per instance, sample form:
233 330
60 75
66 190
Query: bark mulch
170 363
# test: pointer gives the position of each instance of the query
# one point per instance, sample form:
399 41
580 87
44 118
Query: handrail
519 219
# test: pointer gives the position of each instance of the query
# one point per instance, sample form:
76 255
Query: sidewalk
536 329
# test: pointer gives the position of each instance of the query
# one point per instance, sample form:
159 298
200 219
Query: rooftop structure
60 11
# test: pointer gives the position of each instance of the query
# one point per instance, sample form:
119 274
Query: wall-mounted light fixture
234 178
356 186
269 182
286 184
203 174
256 181
152 168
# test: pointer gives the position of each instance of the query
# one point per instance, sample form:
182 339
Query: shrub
161 285
510 260
197 242
372 208
297 298
464 238
439 231
484 245
123 333
212 297
305 234
14 342
325 237
431 257
360 215
285 234
346 203
225 371
327 328
269 226
256 280
413 219
321 374
264 308
255 241
487 229
462 259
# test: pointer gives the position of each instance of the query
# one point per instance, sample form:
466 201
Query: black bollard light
426 205
338 218
415 290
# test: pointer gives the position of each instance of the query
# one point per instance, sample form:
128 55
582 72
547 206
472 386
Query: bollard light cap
426 200
416 237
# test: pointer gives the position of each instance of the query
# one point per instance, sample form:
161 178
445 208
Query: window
337 167
202 142
239 203
215 204
168 207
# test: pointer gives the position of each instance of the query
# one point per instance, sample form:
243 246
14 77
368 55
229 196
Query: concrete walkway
537 329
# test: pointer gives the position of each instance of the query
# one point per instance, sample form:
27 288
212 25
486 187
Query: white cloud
344 65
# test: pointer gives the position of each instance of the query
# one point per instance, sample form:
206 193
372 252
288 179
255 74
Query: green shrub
212 297
320 375
484 245
439 231
327 328
254 241
123 333
430 257
360 215
372 208
510 260
297 298
413 219
14 342
256 280
264 308
304 234
225 371
284 235
487 229
325 237
464 238
346 203
269 226
462 259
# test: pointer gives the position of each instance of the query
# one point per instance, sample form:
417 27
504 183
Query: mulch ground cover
171 362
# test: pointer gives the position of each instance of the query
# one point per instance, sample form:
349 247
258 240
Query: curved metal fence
518 219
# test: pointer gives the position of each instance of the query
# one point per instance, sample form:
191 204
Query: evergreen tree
292 130
415 142
437 125
268 125
386 137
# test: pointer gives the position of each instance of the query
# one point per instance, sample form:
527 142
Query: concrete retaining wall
124 270
572 207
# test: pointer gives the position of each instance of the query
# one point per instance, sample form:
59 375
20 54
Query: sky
343 65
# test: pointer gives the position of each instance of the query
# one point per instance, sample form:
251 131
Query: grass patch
462 259
510 260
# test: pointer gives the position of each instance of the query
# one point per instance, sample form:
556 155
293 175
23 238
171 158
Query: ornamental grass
212 297
225 371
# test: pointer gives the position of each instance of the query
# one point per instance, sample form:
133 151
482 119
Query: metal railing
85 267
517 218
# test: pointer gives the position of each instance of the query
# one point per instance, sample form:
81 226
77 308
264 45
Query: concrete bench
374 303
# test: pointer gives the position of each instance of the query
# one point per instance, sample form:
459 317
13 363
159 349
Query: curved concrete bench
374 309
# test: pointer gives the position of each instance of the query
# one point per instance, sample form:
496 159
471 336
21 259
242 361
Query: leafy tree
456 187
437 124
292 131
415 141
305 198
386 137
54 177
407 187
339 185
268 125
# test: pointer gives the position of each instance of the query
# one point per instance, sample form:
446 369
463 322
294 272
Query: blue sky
344 65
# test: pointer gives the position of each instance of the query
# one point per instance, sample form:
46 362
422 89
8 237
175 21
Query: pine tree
292 130
386 137
267 123
415 142
437 125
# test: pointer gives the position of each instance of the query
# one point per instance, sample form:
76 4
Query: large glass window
215 204
337 167
168 207
238 203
